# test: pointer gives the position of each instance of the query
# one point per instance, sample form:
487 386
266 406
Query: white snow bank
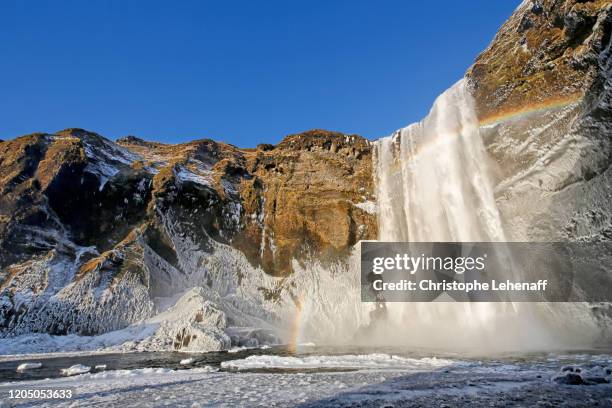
146 372
194 387
138 372
368 361
237 349
191 324
75 370
36 343
28 366
186 361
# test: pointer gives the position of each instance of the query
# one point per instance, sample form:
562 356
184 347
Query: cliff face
304 197
96 235
89 227
543 92
548 51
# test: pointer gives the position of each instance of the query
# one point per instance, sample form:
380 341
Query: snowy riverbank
364 380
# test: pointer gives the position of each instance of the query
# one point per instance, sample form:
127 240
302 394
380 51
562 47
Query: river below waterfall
319 376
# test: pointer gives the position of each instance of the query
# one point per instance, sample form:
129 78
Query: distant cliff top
547 50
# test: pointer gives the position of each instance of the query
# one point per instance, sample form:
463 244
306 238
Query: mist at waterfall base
434 183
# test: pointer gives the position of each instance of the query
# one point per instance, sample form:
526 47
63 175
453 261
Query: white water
432 178
433 184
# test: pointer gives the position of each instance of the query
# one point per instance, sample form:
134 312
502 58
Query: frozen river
317 376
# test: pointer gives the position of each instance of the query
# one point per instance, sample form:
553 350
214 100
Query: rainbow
511 114
296 326
526 110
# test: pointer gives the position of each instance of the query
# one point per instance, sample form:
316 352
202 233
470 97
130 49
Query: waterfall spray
434 185
432 179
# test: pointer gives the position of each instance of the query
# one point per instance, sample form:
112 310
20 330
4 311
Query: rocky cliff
96 235
92 231
543 89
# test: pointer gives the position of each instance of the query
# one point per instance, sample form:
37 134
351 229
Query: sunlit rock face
542 90
547 49
93 231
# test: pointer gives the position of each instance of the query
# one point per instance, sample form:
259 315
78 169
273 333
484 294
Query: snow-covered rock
75 370
28 366
573 375
192 324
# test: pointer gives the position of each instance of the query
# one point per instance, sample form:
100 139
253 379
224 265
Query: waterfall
432 179
433 184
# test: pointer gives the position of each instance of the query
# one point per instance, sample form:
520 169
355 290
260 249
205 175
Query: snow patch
184 175
75 370
145 372
238 349
368 206
28 366
353 362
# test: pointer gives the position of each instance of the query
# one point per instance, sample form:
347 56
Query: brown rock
546 51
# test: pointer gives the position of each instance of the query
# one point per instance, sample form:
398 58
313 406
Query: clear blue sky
245 72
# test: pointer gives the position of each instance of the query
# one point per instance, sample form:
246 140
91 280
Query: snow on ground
76 369
370 361
330 298
454 385
35 343
191 316
28 366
